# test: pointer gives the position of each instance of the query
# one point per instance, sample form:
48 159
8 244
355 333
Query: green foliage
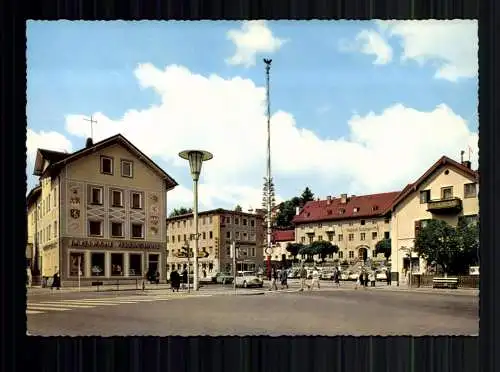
180 211
238 208
307 195
454 249
323 249
384 246
294 248
288 207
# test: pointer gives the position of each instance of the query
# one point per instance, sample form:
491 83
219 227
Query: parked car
381 276
248 279
222 278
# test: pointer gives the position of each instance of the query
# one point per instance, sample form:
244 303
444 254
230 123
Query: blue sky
358 107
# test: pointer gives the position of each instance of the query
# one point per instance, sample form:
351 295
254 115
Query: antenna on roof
90 140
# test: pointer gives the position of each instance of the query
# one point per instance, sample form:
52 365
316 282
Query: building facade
281 239
32 201
354 223
447 191
217 229
99 212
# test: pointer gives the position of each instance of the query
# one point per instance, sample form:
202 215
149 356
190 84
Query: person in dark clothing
284 279
185 278
388 277
175 280
56 281
365 279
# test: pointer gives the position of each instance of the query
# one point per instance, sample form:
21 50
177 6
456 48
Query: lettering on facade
444 204
355 229
111 244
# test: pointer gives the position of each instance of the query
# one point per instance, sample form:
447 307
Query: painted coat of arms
75 213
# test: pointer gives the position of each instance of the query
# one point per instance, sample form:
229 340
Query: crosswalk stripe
34 312
103 301
91 303
75 305
46 308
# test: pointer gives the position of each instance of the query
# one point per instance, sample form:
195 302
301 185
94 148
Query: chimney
297 211
328 200
462 156
467 163
89 143
343 198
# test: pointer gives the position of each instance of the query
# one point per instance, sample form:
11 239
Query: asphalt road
329 311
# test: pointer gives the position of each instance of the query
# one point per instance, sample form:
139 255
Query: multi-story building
217 229
99 212
447 191
354 223
32 243
281 239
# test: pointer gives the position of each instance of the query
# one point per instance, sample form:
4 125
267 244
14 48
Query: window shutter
418 226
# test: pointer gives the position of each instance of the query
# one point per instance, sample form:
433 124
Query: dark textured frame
21 352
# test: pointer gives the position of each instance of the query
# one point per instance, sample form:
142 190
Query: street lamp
195 158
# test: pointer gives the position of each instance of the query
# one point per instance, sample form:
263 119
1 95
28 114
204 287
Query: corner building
354 223
218 228
447 191
100 209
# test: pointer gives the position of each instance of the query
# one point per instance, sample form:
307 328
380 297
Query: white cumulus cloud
253 38
369 42
384 151
45 140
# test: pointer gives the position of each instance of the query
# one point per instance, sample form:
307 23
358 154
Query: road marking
84 305
107 303
47 308
30 312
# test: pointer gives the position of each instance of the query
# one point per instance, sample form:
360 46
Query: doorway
362 253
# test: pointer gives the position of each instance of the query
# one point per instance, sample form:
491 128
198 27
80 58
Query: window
374 235
210 234
178 224
204 235
137 231
96 195
470 190
311 237
425 196
320 225
116 264
236 220
351 254
54 197
387 220
245 236
252 223
374 222
183 223
55 228
228 219
228 234
330 236
184 237
49 228
106 165
137 201
387 235
303 239
117 198
168 238
341 237
126 168
341 254
135 264
76 262
362 222
244 221
252 252
210 219
237 235
356 209
95 228
252 236
447 193
97 264
116 229
173 238
362 236
351 237
320 238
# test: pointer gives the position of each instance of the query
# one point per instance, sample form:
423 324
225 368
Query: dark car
222 278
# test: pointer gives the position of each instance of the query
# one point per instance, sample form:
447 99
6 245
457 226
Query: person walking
388 277
336 278
303 277
284 279
365 279
359 280
173 279
185 279
315 278
274 278
56 281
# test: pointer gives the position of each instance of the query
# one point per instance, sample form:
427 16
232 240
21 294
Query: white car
248 279
381 276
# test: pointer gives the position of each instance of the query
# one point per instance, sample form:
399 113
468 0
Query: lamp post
195 158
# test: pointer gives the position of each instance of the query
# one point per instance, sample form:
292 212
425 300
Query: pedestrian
315 278
274 278
365 278
173 279
388 277
157 277
303 277
372 278
359 280
29 277
336 277
56 281
284 279
185 279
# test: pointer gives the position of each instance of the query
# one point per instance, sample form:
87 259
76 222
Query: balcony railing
450 205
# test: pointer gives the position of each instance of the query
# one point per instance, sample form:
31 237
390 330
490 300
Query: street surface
217 310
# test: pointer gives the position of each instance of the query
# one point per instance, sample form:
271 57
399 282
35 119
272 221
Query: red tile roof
444 160
367 206
283 235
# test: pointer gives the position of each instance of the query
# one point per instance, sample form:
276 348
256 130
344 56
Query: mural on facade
154 214
74 222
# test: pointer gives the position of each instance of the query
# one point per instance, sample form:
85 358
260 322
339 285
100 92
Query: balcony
445 206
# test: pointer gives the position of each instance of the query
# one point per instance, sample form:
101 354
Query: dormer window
106 165
127 170
356 209
375 208
342 211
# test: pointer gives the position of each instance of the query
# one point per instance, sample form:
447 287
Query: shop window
135 264
116 264
97 261
76 261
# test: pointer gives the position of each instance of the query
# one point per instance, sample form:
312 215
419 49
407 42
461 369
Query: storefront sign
94 243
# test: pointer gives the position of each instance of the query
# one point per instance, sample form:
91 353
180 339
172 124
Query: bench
97 284
450 283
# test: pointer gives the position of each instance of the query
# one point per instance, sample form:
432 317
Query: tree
294 248
323 248
307 195
438 243
468 247
384 246
307 252
238 208
287 212
180 211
